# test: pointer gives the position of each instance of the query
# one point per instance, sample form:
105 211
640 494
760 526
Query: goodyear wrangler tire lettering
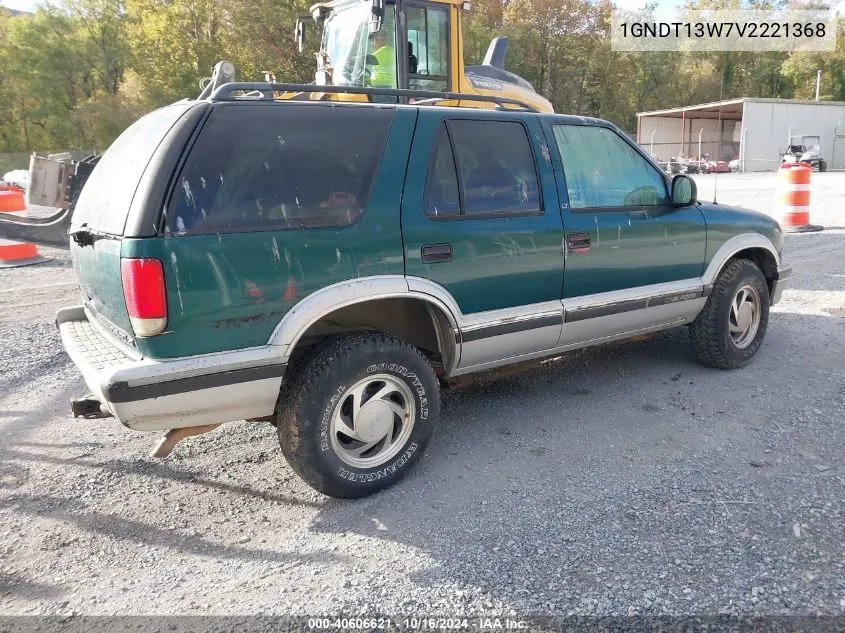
338 453
324 421
379 474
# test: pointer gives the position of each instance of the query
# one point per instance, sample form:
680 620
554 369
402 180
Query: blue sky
20 5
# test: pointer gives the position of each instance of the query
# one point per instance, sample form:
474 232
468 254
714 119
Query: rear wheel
730 329
359 413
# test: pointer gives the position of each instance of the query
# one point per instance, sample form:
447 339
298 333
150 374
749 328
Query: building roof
730 109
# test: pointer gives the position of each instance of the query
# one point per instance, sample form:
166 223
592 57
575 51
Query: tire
335 448
822 165
722 336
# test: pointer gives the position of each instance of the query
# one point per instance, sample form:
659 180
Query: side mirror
684 191
299 34
376 16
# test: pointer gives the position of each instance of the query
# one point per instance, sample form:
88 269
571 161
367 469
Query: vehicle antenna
721 140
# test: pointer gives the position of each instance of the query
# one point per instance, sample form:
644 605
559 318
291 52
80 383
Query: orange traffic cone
16 253
793 198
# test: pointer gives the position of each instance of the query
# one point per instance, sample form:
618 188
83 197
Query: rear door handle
578 241
434 253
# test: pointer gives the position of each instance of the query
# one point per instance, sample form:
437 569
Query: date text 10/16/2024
419 623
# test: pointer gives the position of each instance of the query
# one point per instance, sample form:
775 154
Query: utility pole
818 83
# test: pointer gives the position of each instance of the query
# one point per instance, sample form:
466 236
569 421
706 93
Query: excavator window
428 47
382 52
357 57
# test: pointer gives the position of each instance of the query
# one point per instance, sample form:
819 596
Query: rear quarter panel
97 269
229 291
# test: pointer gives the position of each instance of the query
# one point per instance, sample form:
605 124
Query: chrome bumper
147 394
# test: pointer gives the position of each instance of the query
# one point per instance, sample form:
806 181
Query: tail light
145 295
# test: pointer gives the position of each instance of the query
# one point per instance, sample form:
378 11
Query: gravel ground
625 479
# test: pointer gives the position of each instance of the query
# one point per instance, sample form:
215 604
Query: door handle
434 253
578 242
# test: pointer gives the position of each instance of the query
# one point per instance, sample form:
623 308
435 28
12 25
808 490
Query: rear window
279 166
105 200
495 171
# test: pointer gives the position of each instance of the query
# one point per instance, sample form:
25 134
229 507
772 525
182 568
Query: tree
77 72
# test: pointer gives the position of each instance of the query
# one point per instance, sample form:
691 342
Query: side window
496 167
603 171
428 48
441 193
281 166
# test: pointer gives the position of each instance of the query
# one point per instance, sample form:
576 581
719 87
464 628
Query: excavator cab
408 44
375 44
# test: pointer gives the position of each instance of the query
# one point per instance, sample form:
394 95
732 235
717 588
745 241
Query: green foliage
77 72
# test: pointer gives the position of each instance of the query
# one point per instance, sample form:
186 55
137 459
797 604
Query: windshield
357 57
812 144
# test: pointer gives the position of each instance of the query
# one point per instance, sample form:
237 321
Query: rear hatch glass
107 196
103 207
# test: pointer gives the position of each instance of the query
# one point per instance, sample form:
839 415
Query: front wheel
730 328
359 413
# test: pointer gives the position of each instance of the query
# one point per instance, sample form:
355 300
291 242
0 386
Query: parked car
328 266
805 149
689 165
673 166
710 166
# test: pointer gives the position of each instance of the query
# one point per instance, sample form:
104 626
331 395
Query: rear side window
495 170
282 166
105 200
603 171
442 197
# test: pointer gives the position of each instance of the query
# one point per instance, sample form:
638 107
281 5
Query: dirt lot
616 480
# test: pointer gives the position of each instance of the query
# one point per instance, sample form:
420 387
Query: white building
756 131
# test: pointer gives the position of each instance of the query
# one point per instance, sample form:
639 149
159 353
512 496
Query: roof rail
266 91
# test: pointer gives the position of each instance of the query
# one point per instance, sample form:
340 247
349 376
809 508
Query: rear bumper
779 284
146 394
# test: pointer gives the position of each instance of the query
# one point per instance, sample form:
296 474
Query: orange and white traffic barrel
16 253
793 198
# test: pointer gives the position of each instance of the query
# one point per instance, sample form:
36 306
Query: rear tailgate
123 198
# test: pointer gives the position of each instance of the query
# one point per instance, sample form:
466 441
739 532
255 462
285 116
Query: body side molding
642 294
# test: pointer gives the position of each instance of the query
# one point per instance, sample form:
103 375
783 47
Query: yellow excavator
384 50
407 51
410 44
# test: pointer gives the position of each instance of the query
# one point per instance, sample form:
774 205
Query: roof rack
227 91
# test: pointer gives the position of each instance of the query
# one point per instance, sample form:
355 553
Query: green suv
327 266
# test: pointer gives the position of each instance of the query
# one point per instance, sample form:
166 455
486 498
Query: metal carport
753 130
